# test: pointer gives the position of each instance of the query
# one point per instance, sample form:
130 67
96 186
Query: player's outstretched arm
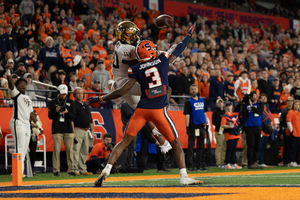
182 45
8 68
130 62
115 94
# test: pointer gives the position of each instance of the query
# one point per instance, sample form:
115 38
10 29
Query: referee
22 113
82 123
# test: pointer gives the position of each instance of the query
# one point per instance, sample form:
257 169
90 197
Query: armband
38 124
8 73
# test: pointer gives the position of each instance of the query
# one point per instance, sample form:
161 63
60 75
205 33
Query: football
164 20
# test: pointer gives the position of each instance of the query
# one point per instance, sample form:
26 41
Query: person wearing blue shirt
252 128
216 88
195 118
50 55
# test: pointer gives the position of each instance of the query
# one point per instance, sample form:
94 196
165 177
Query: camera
110 146
246 99
62 109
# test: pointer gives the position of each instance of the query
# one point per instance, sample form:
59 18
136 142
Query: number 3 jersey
153 78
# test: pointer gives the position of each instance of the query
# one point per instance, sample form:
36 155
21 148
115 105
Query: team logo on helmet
127 32
145 50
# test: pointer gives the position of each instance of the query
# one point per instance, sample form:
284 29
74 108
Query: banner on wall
110 121
211 13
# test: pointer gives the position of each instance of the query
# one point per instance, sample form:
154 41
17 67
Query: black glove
207 127
93 99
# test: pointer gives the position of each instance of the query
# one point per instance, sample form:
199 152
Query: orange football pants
159 117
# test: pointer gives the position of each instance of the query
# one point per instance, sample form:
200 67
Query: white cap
110 42
49 38
3 81
63 89
10 60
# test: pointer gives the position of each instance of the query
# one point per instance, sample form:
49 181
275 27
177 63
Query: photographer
99 155
251 122
62 112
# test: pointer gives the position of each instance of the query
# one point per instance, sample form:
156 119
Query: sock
156 132
182 172
108 167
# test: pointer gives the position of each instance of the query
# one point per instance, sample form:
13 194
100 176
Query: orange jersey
65 31
204 89
121 12
283 98
87 74
139 22
162 33
227 135
257 92
243 87
46 15
151 15
98 150
294 118
108 67
90 33
102 51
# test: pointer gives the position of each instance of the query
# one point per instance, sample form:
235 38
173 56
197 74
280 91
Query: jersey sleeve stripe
129 71
166 54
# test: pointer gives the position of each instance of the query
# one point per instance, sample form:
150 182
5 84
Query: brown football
164 20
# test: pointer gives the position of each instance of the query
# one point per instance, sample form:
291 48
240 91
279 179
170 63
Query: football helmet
145 51
127 32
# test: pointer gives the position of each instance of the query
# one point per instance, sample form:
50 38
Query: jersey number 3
153 72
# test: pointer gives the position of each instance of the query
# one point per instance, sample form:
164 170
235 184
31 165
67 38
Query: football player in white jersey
22 112
127 33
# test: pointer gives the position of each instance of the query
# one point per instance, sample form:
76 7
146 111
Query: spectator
99 47
184 81
99 155
196 119
94 59
29 86
11 40
230 124
264 85
254 88
267 129
204 86
285 94
36 86
295 91
90 20
62 112
49 55
26 9
242 86
216 88
96 88
29 59
33 139
69 68
82 123
85 72
220 150
23 37
276 93
252 115
79 33
20 70
283 134
292 121
84 41
73 77
6 101
102 75
229 88
2 40
72 40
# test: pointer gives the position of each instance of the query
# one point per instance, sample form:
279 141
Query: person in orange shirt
93 29
284 96
65 31
292 121
108 63
99 155
46 12
139 21
254 88
85 72
152 14
242 86
99 47
80 83
121 11
96 88
204 87
230 124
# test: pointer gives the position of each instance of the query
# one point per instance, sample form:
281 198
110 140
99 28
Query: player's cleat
165 147
99 181
189 181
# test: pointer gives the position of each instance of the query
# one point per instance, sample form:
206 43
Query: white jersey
22 106
122 52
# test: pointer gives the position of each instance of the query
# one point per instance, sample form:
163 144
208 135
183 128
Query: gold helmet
127 32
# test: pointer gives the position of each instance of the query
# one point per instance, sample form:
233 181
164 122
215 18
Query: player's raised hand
10 64
191 31
93 99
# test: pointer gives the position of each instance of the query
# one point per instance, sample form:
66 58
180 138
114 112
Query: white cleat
189 181
99 181
165 147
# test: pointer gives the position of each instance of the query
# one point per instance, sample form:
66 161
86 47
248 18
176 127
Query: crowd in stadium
47 40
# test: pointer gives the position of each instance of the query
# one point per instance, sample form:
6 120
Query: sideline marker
17 169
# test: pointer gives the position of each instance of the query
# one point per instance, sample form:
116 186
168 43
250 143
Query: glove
207 127
190 32
94 99
187 130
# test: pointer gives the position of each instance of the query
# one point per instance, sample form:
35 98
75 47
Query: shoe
77 173
292 164
264 166
56 174
163 170
281 163
203 169
72 174
165 147
257 165
235 166
87 173
189 181
99 181
192 169
228 166
219 166
253 166
24 176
